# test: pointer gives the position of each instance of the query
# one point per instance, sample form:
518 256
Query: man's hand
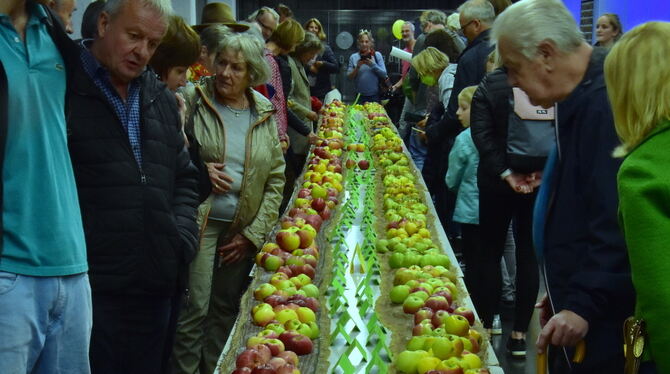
534 179
220 180
545 310
564 329
361 62
519 183
237 249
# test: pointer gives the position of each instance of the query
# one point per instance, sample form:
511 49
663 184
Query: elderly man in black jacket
137 187
576 234
476 18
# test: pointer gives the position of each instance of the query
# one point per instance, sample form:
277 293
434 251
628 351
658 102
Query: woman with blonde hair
637 75
325 64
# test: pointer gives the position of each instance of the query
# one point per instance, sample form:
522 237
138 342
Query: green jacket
263 181
644 212
301 101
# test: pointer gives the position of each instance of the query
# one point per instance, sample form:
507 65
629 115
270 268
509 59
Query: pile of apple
288 303
443 338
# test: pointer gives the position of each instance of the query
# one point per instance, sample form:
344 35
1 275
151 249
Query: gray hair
258 13
481 10
311 43
253 52
433 16
411 25
212 36
528 23
163 7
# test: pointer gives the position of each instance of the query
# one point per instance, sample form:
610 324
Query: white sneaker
496 327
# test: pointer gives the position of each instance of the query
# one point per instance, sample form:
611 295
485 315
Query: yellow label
638 347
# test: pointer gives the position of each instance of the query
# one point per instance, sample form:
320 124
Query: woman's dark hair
180 47
444 42
89 22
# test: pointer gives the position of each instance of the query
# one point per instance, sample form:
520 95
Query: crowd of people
144 164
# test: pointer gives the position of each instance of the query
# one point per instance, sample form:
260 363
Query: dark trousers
369 99
129 334
497 207
472 254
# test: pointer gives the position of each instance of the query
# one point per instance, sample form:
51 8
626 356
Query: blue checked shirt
128 112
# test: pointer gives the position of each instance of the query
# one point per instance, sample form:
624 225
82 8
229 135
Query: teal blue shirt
462 178
42 233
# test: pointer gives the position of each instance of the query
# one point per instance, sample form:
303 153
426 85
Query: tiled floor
514 365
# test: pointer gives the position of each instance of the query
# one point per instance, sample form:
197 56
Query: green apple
263 291
396 260
306 315
423 295
472 361
399 294
443 348
407 361
416 343
412 304
310 290
285 315
456 325
427 364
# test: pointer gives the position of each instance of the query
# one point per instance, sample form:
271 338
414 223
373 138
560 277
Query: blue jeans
417 149
45 324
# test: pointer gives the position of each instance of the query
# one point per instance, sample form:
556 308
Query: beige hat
219 14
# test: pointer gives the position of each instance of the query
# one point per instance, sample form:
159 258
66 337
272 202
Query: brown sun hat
219 14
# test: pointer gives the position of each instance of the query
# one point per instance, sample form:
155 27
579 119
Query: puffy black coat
139 223
489 114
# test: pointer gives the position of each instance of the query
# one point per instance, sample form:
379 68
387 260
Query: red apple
300 344
423 314
437 303
242 371
318 204
263 369
363 164
304 193
249 358
290 357
309 271
264 352
444 293
285 269
315 221
325 213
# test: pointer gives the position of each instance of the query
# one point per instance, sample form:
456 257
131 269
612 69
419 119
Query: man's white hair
411 26
163 7
253 17
527 23
481 10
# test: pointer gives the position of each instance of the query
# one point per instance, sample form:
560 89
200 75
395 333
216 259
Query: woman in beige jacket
233 136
